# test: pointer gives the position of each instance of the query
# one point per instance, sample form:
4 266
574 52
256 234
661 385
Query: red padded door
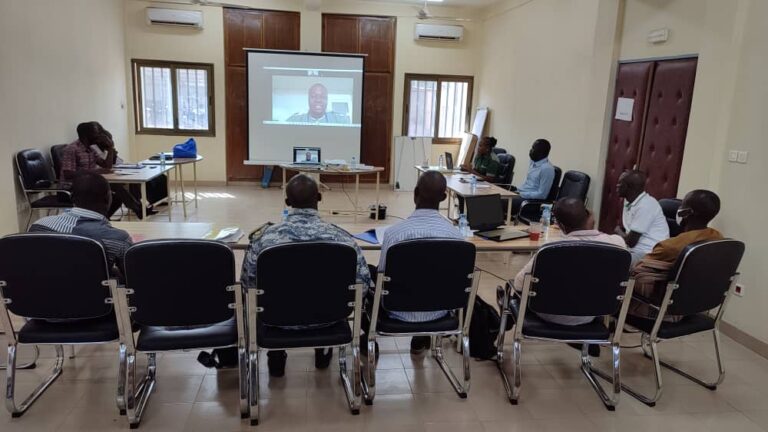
666 125
632 81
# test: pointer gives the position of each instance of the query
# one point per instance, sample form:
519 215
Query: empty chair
303 296
38 183
60 283
575 184
499 150
670 206
577 279
425 276
702 280
507 172
179 295
56 155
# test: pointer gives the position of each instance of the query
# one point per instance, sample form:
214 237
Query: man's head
308 156
88 132
302 192
430 190
539 149
91 191
631 184
486 145
571 214
318 100
698 209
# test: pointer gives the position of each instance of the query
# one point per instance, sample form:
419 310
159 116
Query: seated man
91 196
541 174
698 208
425 222
643 221
302 224
486 165
79 156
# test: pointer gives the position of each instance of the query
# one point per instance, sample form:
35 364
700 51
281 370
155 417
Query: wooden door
249 29
654 140
374 36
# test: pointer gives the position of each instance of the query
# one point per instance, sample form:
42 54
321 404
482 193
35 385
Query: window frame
138 113
439 78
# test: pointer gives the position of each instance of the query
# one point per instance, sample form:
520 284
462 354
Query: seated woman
486 165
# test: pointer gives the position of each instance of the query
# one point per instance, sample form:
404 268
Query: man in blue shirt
540 176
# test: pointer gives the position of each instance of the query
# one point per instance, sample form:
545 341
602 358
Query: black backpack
483 330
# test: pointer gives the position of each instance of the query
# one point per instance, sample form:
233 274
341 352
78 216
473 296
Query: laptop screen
306 155
484 212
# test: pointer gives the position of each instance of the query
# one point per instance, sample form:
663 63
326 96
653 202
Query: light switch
742 157
733 156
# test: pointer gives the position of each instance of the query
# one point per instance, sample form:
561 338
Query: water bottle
354 162
285 214
473 184
441 162
464 226
546 219
162 160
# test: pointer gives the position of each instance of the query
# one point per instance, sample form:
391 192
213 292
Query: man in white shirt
643 222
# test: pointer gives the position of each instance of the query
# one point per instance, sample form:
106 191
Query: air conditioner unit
175 17
439 32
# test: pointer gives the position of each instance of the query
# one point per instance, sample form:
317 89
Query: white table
459 185
179 163
141 176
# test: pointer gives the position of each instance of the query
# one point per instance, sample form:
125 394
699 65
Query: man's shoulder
297 117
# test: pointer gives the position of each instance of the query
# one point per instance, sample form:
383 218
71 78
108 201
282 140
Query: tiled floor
412 394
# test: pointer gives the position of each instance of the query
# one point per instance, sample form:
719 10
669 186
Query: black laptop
485 215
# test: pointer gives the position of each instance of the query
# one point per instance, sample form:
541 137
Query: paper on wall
624 107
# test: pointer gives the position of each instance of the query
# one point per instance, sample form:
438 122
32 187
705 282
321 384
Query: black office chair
311 285
499 150
39 184
449 283
507 162
61 285
179 295
56 156
576 279
701 281
669 207
575 184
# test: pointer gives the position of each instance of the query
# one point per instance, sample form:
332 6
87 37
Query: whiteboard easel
481 114
410 151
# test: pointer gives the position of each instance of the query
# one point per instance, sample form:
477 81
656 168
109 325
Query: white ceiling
456 3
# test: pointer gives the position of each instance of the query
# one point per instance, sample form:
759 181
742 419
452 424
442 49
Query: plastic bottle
441 162
162 160
473 185
285 213
464 226
546 219
354 162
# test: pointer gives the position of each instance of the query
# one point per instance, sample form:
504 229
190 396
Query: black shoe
419 344
276 363
323 357
593 350
206 359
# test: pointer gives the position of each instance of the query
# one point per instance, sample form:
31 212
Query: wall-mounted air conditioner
175 17
439 32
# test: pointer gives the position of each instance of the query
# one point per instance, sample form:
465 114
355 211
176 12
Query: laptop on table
484 214
306 156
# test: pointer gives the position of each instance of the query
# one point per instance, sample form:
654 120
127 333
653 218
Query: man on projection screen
318 103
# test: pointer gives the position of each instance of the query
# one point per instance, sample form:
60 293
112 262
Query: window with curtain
437 106
173 98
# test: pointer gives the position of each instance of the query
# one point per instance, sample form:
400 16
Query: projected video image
312 100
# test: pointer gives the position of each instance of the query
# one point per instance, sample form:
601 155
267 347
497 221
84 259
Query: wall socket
739 290
733 155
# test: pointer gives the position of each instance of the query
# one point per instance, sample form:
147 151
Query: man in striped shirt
92 197
425 222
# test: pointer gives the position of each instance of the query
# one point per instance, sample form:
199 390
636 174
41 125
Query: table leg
509 211
183 195
377 195
170 200
450 204
175 183
283 170
144 201
357 195
194 174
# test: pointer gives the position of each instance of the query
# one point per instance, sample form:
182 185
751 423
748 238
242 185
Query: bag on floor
483 330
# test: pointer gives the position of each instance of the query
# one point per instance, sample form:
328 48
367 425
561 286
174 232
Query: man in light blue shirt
540 176
425 222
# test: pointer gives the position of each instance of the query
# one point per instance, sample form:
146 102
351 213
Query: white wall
61 63
155 42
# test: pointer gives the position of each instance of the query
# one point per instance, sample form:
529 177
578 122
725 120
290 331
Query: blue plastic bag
185 150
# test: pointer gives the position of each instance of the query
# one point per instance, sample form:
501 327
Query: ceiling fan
424 14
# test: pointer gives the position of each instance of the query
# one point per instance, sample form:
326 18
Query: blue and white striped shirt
421 224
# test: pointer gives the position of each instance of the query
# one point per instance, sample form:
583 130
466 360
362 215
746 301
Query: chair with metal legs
60 284
573 279
425 276
700 283
180 295
303 296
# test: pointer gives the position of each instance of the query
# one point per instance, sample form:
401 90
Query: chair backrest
428 275
54 276
703 273
507 162
579 278
669 207
306 283
575 184
180 282
552 196
35 169
56 154
499 150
